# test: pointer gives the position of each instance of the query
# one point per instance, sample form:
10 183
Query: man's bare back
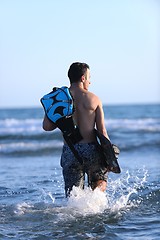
88 110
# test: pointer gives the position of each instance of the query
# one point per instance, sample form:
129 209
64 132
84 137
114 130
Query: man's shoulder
92 95
92 100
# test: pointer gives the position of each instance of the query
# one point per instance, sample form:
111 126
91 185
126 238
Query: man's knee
101 184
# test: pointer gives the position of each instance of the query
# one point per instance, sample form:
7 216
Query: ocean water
32 199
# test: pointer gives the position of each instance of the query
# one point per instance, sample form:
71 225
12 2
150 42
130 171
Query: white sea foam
144 124
29 146
34 126
22 208
14 126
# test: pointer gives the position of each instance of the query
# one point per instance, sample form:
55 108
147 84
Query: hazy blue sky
119 39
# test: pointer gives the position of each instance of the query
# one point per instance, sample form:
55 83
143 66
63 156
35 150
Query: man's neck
77 85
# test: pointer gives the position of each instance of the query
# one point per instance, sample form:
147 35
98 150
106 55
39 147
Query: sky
40 39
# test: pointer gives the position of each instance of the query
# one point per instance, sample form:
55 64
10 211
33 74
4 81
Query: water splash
51 196
87 201
122 194
46 196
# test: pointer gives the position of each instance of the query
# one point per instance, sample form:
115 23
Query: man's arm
100 124
48 125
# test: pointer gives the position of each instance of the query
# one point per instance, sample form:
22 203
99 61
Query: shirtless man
88 115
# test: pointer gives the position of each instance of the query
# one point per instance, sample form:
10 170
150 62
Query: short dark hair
76 71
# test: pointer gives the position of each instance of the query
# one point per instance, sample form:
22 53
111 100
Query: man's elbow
48 127
45 128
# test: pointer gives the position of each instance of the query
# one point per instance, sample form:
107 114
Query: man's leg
73 177
101 184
